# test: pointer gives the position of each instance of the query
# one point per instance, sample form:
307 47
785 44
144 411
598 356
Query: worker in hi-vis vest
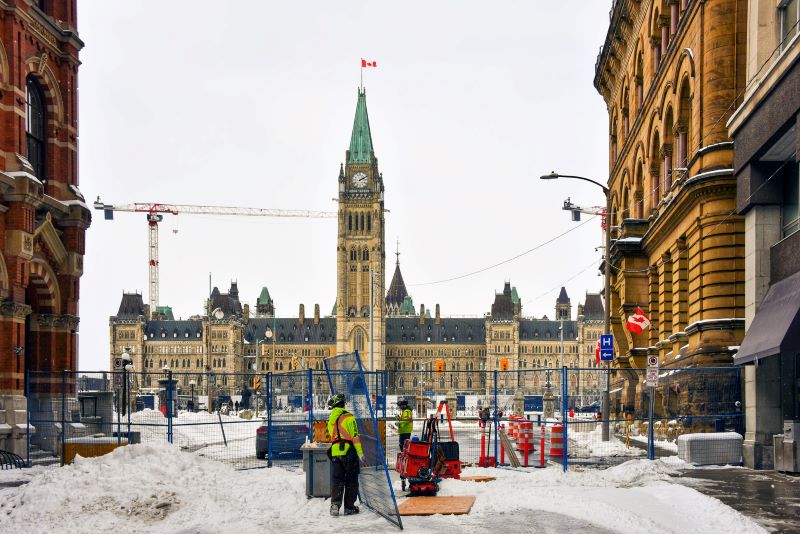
346 456
405 424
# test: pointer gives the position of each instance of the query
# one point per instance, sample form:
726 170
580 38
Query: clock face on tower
359 179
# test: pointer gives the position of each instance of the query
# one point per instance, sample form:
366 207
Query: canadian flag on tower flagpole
637 322
365 63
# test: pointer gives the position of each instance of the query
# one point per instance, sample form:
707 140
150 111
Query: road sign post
606 355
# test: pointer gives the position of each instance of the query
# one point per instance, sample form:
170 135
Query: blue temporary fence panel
346 375
461 402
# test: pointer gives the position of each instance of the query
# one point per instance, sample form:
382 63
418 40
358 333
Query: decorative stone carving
14 310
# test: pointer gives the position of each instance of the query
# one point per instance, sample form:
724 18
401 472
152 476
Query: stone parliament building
231 337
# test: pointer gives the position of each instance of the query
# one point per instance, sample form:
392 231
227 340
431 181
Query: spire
562 297
398 253
397 289
361 139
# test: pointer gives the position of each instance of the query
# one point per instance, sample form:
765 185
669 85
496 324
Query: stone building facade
228 338
671 72
766 133
43 216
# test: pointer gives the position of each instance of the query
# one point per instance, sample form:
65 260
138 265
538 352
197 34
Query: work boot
403 483
335 510
351 511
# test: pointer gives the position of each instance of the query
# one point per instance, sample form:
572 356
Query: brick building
43 216
671 73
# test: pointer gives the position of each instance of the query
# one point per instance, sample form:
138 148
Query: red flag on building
365 63
637 322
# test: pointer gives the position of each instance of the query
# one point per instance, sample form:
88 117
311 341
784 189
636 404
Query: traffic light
504 364
440 366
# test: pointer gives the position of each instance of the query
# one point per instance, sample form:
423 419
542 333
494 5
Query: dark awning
776 326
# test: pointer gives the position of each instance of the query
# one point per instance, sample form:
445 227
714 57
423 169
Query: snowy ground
159 488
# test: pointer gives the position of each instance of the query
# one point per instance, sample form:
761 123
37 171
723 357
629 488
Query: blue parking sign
607 347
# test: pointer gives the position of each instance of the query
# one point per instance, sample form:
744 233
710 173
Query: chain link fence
252 421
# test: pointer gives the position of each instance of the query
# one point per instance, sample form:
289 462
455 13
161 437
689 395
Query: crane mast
155 211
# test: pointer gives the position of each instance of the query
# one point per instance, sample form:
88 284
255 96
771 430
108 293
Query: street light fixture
607 290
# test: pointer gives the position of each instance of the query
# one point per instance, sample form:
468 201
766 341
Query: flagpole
362 75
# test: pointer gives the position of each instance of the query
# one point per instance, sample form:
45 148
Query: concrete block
719 448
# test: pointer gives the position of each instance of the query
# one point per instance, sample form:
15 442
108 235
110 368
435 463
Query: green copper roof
514 295
361 140
333 311
264 298
407 307
166 311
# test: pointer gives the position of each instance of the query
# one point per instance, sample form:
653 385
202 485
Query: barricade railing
251 420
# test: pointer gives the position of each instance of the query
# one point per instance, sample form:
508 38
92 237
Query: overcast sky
251 103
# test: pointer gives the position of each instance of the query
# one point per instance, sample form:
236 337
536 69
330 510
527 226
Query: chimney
246 314
316 313
302 314
438 319
421 314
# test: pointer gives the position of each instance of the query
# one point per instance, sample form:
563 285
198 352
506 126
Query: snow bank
159 488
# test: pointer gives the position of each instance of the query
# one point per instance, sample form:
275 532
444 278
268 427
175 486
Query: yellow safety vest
343 430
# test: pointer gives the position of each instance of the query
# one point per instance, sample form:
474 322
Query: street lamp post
273 335
607 290
192 384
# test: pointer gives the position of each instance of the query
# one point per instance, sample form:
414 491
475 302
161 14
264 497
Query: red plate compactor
426 461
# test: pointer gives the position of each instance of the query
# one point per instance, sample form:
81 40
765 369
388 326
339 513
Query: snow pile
158 488
590 445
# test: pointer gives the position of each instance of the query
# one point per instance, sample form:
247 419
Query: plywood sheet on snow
451 505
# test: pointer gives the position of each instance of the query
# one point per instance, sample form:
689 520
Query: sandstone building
232 337
671 73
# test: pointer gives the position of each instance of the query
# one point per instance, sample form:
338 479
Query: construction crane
591 210
155 215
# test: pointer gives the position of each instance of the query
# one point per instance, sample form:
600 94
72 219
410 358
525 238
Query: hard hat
336 400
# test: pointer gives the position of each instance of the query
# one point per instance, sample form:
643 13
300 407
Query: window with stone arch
655 150
682 126
35 127
358 341
666 150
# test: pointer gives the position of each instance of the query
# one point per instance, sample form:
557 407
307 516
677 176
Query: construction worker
346 456
405 424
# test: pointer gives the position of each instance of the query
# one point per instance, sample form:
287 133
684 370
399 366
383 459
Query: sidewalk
772 499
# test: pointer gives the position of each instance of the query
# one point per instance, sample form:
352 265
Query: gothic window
35 124
365 255
362 221
369 222
353 255
350 221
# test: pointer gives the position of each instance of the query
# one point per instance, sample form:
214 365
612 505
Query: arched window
353 255
365 255
35 124
369 222
350 221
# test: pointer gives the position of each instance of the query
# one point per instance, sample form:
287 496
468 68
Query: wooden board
437 505
479 479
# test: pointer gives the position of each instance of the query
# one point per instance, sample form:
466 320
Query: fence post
28 409
169 406
63 414
118 396
496 413
269 419
564 414
310 406
651 446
